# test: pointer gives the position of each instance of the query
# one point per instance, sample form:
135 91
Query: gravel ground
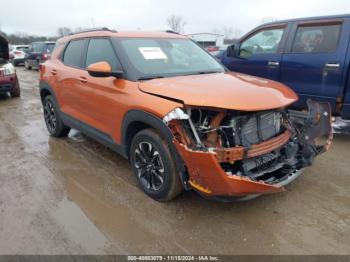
73 196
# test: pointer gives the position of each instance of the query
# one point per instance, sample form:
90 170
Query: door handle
82 79
53 72
273 63
332 65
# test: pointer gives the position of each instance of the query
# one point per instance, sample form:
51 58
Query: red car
8 78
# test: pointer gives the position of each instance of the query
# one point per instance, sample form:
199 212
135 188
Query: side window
263 42
316 39
101 49
74 53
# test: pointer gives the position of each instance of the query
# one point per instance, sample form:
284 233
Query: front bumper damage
218 171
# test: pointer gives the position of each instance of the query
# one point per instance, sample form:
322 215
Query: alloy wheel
50 116
149 166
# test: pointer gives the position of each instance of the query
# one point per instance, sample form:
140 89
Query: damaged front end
231 153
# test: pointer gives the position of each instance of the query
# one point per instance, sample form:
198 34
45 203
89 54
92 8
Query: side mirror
103 69
231 51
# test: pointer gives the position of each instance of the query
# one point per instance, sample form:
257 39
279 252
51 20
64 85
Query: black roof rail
93 30
171 32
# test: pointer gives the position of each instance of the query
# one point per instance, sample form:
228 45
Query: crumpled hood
223 90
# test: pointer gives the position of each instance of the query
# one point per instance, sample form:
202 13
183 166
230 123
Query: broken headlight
177 113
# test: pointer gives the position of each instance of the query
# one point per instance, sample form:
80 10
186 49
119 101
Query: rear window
37 47
47 48
23 48
316 39
73 55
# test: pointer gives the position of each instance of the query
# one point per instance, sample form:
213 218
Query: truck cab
310 55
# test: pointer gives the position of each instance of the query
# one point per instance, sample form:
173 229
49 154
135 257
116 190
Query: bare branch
176 23
64 31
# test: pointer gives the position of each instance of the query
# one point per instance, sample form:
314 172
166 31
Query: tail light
212 48
45 56
17 52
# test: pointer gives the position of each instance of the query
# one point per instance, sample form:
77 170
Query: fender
141 119
44 86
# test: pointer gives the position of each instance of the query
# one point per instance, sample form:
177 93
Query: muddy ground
73 196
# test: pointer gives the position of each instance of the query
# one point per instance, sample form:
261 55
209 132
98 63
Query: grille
256 128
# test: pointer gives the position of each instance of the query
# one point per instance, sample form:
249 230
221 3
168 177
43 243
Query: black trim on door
94 133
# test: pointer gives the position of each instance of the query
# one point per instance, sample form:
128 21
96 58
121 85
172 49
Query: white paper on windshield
152 53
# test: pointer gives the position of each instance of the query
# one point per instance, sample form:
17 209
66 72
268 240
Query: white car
17 53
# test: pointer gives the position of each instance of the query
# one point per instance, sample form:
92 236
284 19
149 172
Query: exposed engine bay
263 146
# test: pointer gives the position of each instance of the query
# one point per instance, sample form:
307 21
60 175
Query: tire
52 118
26 65
16 90
154 166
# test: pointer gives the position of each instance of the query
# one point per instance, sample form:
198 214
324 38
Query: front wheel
154 167
53 121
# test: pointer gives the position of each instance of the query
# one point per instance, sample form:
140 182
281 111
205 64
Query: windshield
168 57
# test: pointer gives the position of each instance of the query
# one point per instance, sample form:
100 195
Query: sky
43 17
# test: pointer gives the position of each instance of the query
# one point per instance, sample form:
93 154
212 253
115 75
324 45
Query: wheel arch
45 90
136 120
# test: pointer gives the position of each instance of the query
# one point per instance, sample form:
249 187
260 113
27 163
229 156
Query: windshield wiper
205 72
149 77
195 73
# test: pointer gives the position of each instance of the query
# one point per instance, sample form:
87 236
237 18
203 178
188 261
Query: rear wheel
16 91
154 167
52 118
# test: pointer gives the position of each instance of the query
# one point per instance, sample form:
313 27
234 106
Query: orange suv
181 119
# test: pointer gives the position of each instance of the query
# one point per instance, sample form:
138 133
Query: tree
228 32
19 38
268 19
80 29
64 31
176 23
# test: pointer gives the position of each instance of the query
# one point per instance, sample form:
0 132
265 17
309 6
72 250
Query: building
207 39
